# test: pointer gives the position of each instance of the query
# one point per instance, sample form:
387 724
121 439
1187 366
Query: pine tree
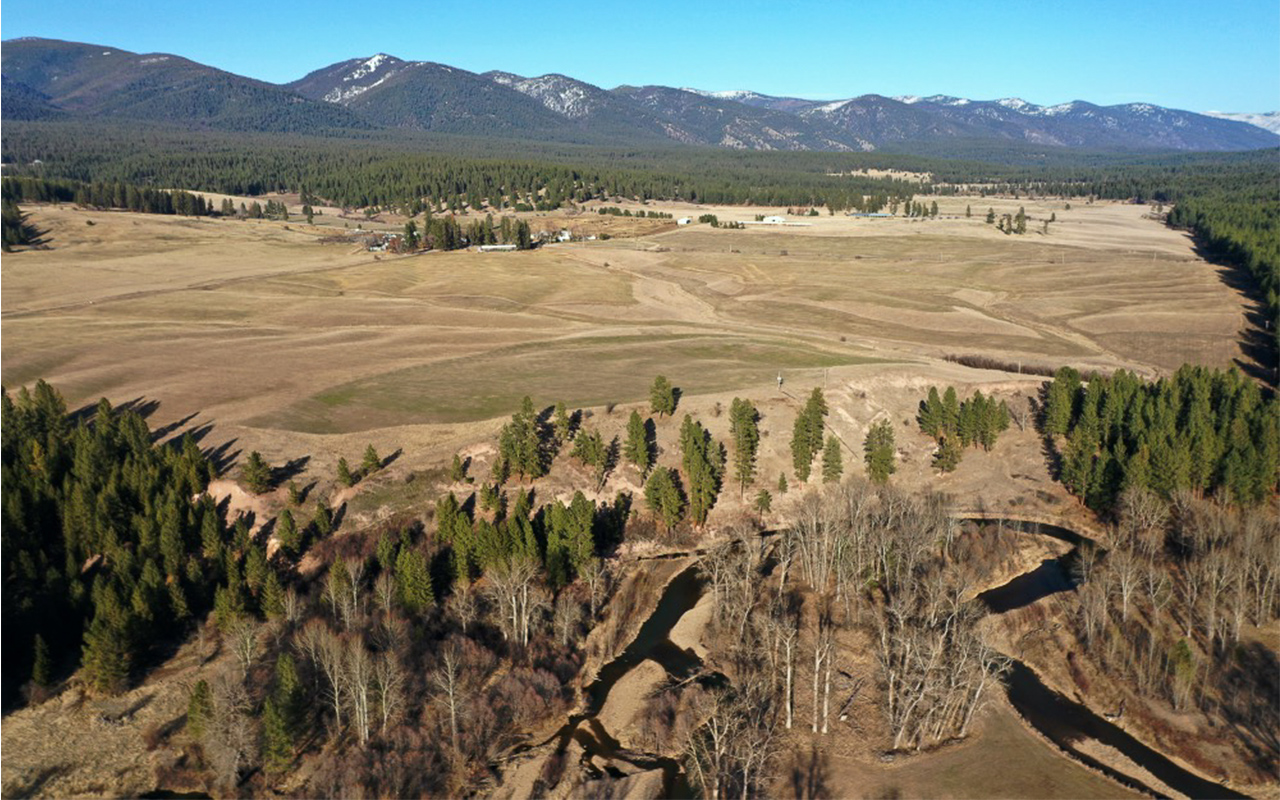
832 463
745 429
782 483
878 451
764 502
947 458
277 743
458 469
663 497
256 473
287 534
344 473
41 666
372 462
562 425
637 449
413 581
323 520
199 709
662 397
931 416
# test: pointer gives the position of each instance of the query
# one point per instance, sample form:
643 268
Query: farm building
775 220
496 248
684 221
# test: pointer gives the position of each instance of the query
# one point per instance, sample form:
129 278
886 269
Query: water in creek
652 642
1061 720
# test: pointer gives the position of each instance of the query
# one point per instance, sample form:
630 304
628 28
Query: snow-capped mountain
1268 121
46 79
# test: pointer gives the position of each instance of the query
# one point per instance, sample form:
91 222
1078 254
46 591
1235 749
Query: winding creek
1061 720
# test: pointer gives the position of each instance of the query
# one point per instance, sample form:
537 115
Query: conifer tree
663 497
277 743
287 534
344 473
662 397
256 473
562 425
372 462
782 483
947 458
457 469
764 502
832 463
637 449
745 430
878 451
199 709
413 581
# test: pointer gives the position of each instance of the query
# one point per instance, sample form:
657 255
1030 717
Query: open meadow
258 335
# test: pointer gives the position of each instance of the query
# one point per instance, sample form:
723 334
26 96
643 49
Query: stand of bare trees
1169 604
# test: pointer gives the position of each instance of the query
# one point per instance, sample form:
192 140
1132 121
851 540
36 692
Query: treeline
955 425
1201 430
1242 228
16 230
116 195
106 554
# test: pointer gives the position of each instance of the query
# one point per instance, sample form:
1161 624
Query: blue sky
1180 53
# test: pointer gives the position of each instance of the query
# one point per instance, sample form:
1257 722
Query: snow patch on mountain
1268 121
565 96
368 67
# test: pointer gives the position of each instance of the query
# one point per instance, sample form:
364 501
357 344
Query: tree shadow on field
1259 358
30 786
807 775
1250 685
391 459
164 430
288 470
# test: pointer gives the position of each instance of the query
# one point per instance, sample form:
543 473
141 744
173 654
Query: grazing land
269 336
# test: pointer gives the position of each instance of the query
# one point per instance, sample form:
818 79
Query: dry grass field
264 338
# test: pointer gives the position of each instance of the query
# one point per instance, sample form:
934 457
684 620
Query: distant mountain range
49 79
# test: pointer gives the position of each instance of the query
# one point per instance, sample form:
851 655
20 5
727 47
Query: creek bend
1059 719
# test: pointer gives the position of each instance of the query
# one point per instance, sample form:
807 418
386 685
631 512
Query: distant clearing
257 324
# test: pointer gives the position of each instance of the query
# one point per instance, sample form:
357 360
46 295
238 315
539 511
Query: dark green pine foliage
589 449
520 442
413 581
256 473
104 550
287 534
832 461
199 709
806 436
662 397
1202 429
561 426
879 449
371 463
638 450
16 230
664 498
570 538
703 460
744 428
344 473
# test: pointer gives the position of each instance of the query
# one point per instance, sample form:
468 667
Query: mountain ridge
54 79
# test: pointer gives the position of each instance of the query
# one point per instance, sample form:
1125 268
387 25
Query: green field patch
581 372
